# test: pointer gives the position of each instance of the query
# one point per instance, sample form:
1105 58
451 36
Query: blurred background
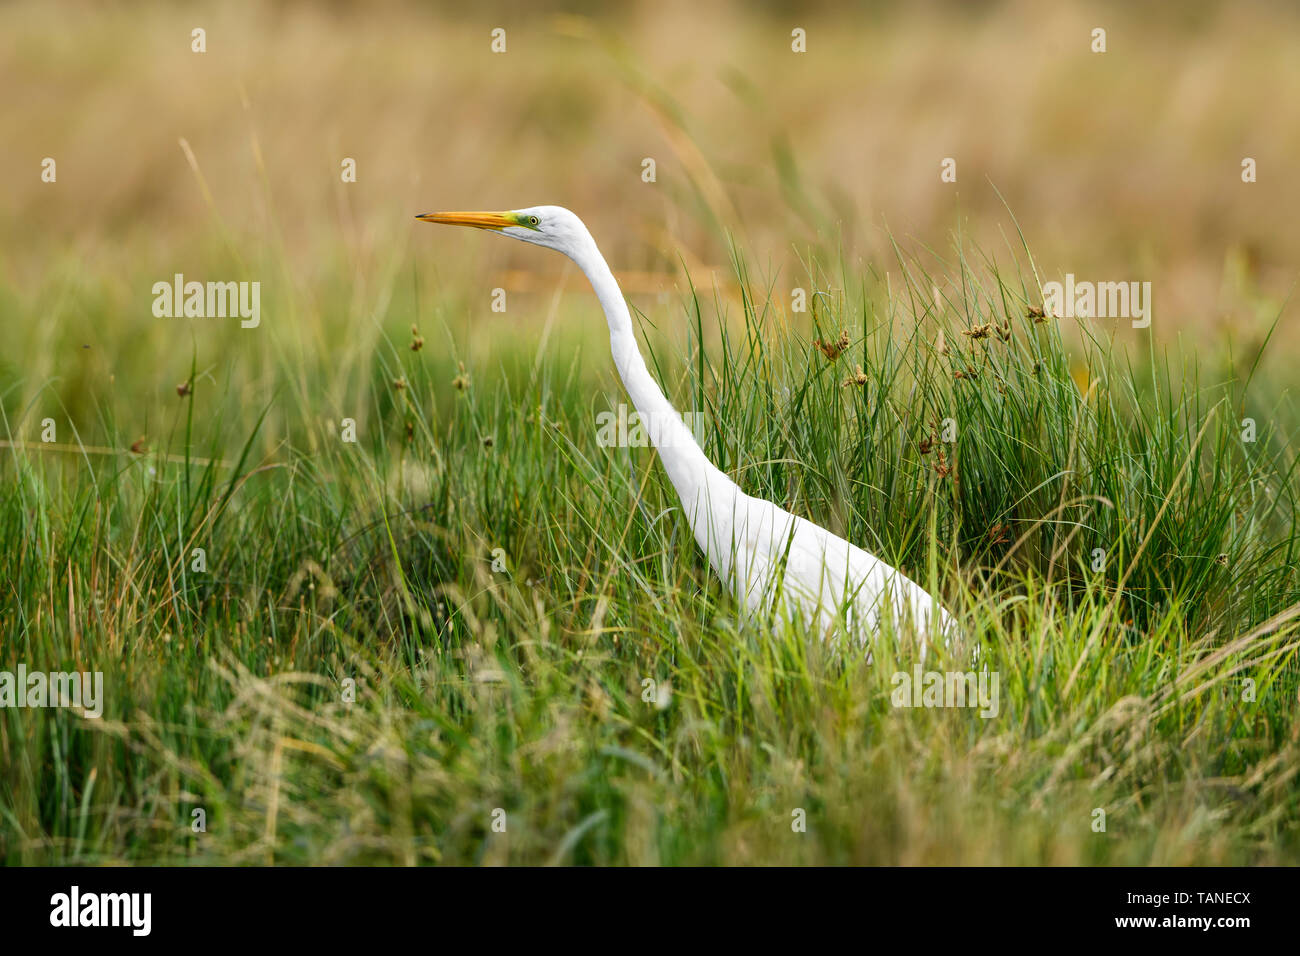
1123 165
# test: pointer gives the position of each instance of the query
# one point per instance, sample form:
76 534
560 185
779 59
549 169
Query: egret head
551 226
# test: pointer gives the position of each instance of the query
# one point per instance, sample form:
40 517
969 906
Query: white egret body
770 558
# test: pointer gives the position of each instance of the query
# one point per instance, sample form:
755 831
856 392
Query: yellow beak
479 220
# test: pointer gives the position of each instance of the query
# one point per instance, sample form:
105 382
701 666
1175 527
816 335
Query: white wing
775 560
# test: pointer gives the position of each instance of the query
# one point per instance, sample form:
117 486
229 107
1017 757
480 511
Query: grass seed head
833 350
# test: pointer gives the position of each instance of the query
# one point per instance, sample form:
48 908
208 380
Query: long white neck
688 468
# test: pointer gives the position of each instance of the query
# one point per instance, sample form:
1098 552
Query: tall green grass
530 630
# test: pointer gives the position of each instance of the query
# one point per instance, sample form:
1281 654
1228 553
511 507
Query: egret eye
533 220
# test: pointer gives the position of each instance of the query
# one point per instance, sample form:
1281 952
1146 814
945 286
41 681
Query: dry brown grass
1118 165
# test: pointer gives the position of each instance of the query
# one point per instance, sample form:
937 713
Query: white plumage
770 559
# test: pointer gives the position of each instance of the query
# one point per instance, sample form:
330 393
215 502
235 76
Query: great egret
771 559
